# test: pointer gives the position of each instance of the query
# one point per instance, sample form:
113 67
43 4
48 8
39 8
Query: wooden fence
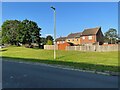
99 48
50 47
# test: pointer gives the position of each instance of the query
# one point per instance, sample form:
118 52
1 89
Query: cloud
49 34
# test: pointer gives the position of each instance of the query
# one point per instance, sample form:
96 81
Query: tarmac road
30 75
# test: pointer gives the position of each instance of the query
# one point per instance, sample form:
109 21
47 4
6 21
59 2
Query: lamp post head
52 7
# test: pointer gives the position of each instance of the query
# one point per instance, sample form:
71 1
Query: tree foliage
111 36
10 31
25 32
0 37
49 40
43 40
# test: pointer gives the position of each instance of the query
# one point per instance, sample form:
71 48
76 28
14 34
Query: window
83 37
68 40
89 37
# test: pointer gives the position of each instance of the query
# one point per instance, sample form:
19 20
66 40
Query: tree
43 40
111 36
30 32
10 31
0 36
49 40
25 32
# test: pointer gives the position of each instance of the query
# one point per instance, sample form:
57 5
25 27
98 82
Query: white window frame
83 37
90 37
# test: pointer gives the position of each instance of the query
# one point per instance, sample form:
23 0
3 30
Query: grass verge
99 61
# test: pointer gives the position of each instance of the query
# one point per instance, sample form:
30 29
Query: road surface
29 75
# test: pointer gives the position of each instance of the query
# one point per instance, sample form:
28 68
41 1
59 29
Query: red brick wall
63 46
86 40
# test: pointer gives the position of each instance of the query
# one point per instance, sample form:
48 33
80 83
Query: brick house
61 40
74 38
61 43
87 37
92 35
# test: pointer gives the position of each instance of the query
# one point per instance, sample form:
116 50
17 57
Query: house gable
92 35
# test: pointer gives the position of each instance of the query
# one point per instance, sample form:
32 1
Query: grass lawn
101 61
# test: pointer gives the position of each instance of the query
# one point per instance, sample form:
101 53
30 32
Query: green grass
102 61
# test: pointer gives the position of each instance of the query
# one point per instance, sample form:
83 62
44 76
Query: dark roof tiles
91 31
74 35
61 39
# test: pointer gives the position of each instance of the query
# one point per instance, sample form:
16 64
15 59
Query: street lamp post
54 31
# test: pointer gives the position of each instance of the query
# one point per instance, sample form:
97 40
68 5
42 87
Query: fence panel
50 47
98 48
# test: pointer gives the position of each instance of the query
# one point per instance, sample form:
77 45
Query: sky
71 17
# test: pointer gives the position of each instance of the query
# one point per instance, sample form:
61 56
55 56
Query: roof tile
74 35
91 31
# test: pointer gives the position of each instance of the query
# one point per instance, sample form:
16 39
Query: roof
74 35
91 31
61 39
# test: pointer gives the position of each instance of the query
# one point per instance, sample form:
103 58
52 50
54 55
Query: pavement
31 75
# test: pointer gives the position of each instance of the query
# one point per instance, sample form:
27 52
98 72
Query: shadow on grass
3 50
84 66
